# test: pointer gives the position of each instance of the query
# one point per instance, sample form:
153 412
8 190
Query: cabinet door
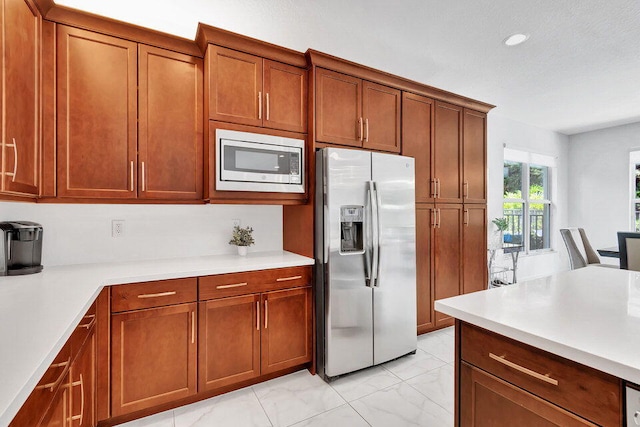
381 112
235 86
486 400
97 115
417 136
58 413
286 332
83 382
474 258
338 108
285 97
153 357
170 119
448 256
475 157
447 152
21 32
424 288
229 341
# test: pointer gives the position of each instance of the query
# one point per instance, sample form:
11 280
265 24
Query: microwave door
257 164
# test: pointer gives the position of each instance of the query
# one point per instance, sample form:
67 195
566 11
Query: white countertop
590 315
39 312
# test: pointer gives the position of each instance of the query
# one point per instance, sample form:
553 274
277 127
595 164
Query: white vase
242 250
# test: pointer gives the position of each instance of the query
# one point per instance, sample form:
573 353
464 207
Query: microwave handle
8 246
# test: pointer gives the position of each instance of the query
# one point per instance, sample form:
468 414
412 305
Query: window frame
527 201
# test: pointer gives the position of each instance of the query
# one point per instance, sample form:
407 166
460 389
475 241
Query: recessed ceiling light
516 39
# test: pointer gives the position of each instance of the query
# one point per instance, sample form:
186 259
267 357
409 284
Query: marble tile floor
416 390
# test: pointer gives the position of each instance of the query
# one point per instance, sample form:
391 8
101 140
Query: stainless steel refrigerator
365 259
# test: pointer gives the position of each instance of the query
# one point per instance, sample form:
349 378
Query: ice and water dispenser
351 229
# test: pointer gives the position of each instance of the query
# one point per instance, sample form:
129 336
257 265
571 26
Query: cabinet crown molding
324 60
207 34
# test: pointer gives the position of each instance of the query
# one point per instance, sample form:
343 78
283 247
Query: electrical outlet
117 228
236 222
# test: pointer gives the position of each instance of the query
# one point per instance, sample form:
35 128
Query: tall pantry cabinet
448 143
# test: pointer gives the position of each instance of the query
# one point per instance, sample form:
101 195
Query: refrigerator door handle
376 233
368 247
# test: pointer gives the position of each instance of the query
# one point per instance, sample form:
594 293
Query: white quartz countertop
39 312
590 315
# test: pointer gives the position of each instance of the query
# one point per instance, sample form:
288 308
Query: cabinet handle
15 160
81 384
465 190
266 313
433 218
235 285
260 105
257 315
267 96
131 172
439 217
193 327
143 178
438 188
161 294
466 217
52 386
361 131
90 324
286 279
546 378
366 130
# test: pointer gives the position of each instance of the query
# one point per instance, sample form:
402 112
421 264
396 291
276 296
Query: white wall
81 233
502 131
599 181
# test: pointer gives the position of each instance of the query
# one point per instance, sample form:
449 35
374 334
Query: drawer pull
286 279
546 378
161 294
235 285
90 324
52 386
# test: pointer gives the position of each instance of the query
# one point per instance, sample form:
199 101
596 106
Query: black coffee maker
20 248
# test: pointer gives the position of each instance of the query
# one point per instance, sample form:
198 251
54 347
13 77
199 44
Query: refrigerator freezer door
394 297
348 301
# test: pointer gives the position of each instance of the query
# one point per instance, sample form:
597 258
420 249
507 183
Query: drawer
585 391
250 282
80 334
135 296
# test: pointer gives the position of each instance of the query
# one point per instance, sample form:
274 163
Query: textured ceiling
579 70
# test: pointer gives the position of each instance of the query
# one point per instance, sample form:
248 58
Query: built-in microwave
256 162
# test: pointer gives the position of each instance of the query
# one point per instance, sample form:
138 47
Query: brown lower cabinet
66 396
153 357
503 382
486 400
243 337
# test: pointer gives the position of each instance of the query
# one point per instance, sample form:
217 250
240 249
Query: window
635 190
527 200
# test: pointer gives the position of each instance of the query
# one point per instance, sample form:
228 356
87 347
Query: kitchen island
561 347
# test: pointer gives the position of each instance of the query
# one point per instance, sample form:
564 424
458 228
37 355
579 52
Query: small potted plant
502 225
242 238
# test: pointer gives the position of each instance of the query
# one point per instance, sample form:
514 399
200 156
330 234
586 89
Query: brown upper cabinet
355 112
171 125
97 127
20 71
251 90
447 153
474 173
417 141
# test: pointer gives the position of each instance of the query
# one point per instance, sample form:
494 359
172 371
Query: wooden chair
629 246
